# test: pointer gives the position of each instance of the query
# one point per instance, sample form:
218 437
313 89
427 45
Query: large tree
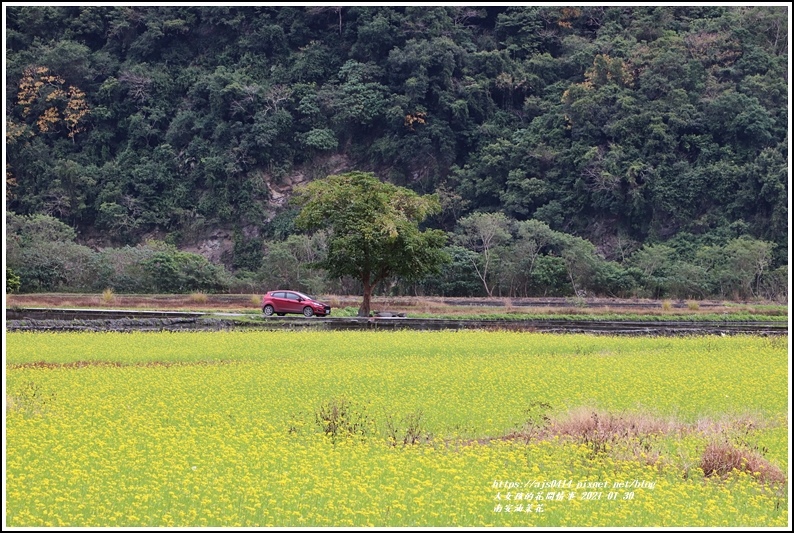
483 233
374 229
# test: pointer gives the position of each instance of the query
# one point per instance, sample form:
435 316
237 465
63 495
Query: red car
283 302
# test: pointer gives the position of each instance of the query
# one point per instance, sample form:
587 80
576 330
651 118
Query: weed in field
581 422
108 296
12 303
431 307
339 418
595 438
692 305
30 400
509 308
720 458
577 301
297 423
537 419
198 298
667 305
410 429
255 300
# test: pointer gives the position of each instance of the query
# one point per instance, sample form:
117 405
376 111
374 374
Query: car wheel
308 311
268 310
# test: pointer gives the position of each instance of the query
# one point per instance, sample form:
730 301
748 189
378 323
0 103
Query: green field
394 428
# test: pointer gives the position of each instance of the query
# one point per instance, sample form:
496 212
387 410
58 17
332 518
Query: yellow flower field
396 428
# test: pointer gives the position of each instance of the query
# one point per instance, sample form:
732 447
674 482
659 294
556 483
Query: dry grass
636 436
589 422
427 305
198 298
585 422
576 311
667 305
432 305
108 296
12 403
729 426
334 302
721 458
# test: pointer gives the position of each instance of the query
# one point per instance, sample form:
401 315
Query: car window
292 296
278 295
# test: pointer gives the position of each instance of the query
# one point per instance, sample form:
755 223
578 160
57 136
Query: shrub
172 271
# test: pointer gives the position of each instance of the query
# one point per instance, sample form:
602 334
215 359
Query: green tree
12 281
581 261
654 264
288 263
746 262
533 238
457 278
374 229
484 233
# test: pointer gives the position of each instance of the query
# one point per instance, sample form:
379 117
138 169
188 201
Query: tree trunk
365 303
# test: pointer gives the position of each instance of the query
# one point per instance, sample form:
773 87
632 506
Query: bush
175 272
55 266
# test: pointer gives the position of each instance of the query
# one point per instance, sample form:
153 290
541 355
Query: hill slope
623 125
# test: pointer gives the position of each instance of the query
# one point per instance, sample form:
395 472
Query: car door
292 304
280 302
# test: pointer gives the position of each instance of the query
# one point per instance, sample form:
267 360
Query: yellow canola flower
131 445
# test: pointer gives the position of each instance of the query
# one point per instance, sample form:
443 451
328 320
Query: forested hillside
612 150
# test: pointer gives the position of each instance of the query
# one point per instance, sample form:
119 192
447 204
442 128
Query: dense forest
633 151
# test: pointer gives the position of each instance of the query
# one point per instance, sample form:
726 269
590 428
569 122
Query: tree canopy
374 229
